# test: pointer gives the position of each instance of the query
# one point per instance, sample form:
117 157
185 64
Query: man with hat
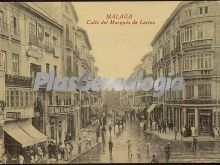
167 151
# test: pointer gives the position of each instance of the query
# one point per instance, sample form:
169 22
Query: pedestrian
129 148
97 134
159 128
33 160
195 142
139 149
84 134
66 151
181 134
79 145
103 137
89 139
110 146
175 132
154 159
50 149
148 148
110 130
4 158
193 131
71 149
40 153
21 159
61 148
167 151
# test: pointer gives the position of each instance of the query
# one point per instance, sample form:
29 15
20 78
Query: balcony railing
196 44
69 43
33 41
4 29
49 49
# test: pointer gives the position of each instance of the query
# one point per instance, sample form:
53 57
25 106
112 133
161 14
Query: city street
181 152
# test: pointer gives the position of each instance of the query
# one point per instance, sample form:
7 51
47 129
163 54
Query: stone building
188 45
36 38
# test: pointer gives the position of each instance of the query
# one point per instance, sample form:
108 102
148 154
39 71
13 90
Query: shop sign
61 110
13 115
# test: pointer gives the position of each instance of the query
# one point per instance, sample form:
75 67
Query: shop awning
18 134
142 108
151 108
24 133
32 131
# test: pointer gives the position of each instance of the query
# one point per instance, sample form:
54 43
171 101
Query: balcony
206 73
69 43
17 81
33 41
4 29
49 49
197 44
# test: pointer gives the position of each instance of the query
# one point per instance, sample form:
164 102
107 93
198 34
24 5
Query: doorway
205 122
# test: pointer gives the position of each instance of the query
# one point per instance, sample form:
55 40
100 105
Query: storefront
201 118
19 134
174 114
62 123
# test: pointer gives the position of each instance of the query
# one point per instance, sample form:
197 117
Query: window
47 38
67 9
67 32
69 67
204 90
55 70
206 9
17 98
204 61
187 34
201 10
188 13
54 41
26 98
14 25
2 60
21 98
32 32
47 68
206 30
189 91
15 64
1 19
199 61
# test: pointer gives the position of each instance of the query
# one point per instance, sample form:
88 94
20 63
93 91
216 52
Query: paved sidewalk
75 153
170 136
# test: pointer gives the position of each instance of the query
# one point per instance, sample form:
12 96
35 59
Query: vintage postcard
109 82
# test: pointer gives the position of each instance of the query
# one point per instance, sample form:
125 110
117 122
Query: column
2 100
184 116
196 121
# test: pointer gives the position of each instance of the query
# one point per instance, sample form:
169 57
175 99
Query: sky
119 48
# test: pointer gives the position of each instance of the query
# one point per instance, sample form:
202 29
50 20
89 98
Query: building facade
34 38
187 45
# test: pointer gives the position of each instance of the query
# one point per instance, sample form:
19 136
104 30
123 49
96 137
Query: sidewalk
75 146
170 136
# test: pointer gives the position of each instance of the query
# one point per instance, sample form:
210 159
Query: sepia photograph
109 82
